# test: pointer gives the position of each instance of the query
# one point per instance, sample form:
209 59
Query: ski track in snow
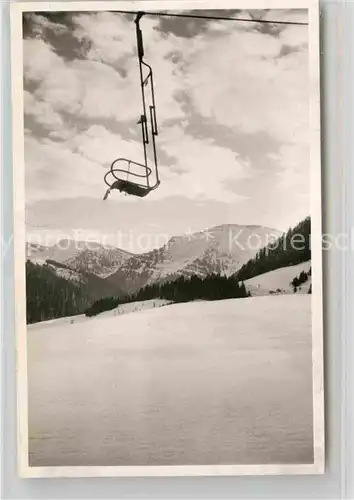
198 383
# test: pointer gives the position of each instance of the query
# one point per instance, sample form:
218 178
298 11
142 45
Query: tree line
183 289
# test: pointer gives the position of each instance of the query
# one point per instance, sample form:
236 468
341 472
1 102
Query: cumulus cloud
42 112
202 169
257 92
54 171
84 88
105 83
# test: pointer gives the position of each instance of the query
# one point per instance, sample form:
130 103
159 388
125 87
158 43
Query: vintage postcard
167 232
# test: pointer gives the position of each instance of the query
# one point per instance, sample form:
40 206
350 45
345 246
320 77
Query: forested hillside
292 248
50 296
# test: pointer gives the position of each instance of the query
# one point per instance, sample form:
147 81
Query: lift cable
212 18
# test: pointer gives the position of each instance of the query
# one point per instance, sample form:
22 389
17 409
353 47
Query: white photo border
24 470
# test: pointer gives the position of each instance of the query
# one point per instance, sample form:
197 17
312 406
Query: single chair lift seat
126 186
133 189
121 175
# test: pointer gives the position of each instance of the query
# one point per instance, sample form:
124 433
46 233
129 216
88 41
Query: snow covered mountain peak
221 249
82 256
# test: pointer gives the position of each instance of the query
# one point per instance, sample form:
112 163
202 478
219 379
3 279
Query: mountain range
107 269
82 256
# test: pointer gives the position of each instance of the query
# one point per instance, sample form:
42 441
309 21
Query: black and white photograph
167 198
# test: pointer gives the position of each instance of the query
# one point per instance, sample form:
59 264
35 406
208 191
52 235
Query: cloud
202 169
295 172
256 93
100 145
39 60
89 89
42 112
41 25
105 36
228 75
286 50
54 171
198 169
105 82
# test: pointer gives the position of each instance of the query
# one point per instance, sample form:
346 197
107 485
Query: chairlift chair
125 175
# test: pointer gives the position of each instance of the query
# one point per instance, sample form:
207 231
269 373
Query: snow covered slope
279 279
131 307
196 383
135 307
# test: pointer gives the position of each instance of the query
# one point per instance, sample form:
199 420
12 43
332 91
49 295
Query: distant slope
54 290
291 248
102 261
222 249
51 296
96 287
279 279
61 251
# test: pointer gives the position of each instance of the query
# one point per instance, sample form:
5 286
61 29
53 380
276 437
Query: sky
232 105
